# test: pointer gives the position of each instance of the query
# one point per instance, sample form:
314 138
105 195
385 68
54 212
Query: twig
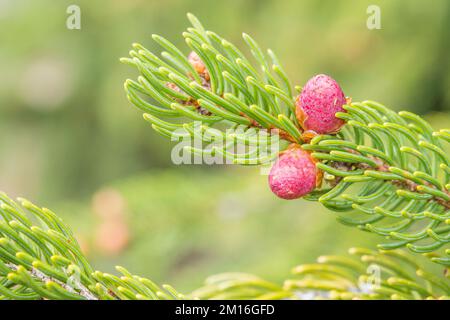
83 291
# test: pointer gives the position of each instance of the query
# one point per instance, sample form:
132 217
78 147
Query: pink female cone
294 174
318 103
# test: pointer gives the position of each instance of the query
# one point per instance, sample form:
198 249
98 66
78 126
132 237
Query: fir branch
386 165
45 261
384 172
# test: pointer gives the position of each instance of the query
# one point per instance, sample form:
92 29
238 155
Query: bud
317 104
294 174
198 65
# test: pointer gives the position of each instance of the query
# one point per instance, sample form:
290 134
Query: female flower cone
294 174
318 103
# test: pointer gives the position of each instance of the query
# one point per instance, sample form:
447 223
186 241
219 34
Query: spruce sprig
388 171
42 260
385 172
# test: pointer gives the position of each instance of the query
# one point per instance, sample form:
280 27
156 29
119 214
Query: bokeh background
71 141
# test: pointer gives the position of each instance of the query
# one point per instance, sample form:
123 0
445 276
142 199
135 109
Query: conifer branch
44 261
383 172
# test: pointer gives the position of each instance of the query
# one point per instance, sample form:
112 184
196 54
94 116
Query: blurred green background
70 140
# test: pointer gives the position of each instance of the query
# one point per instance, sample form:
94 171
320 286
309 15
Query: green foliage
242 94
40 258
367 274
389 172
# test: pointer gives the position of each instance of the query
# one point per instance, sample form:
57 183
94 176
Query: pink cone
318 103
294 174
